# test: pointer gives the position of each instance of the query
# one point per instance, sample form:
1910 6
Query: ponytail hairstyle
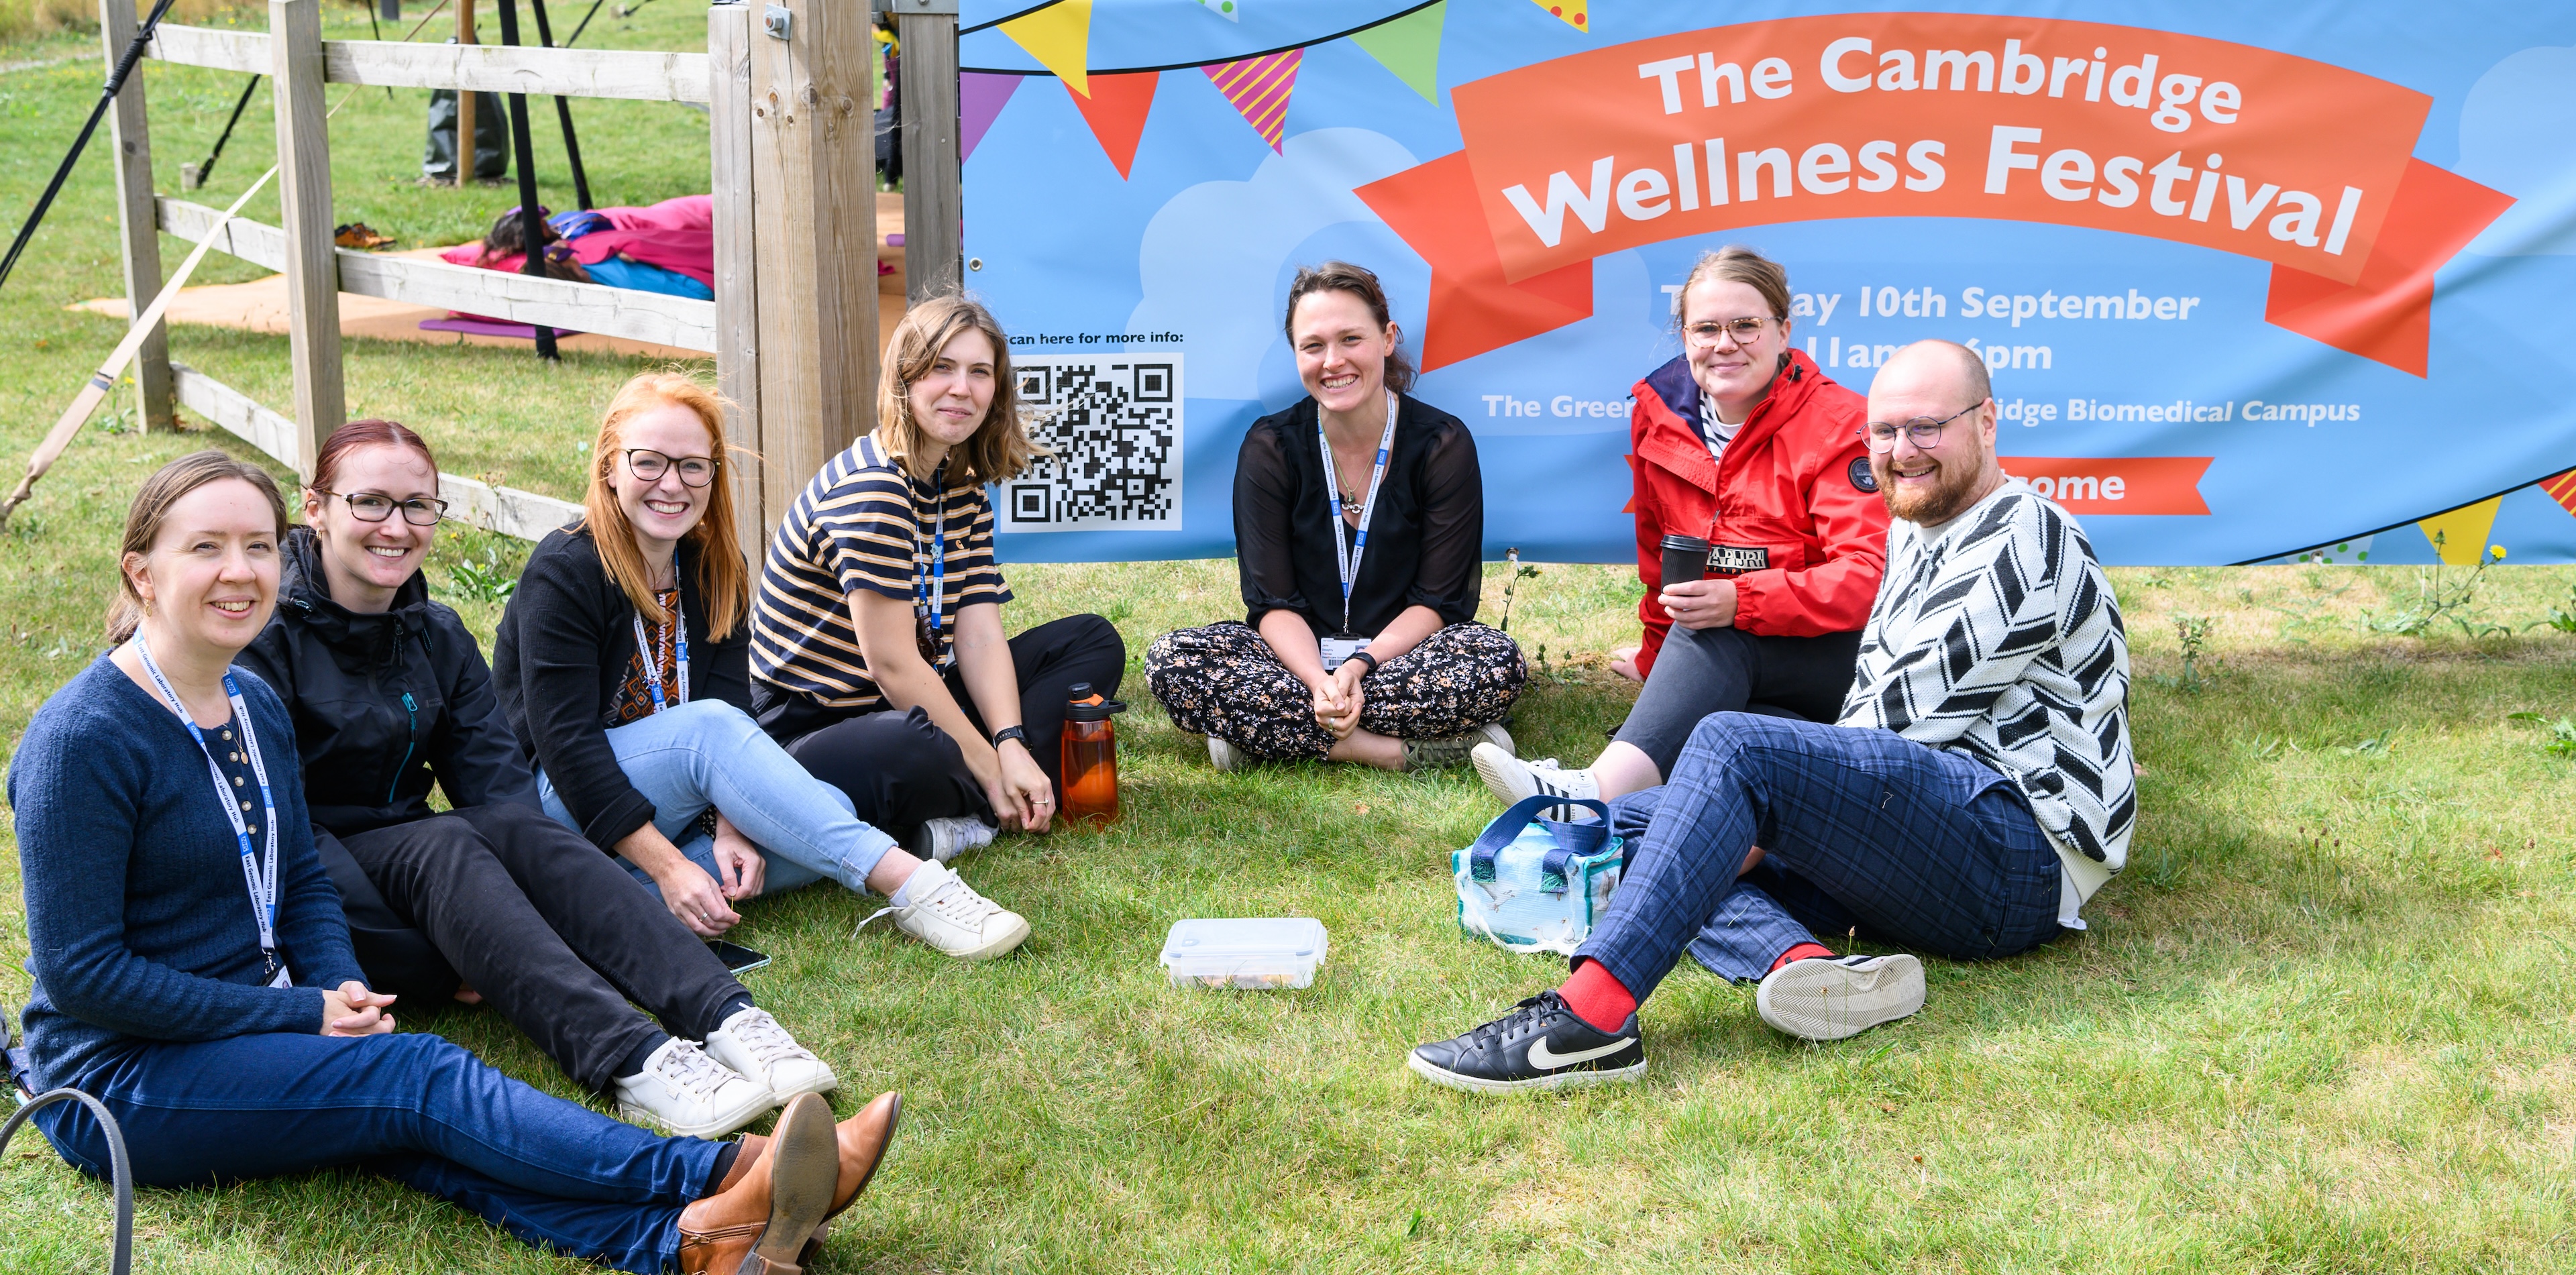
1361 282
1736 263
1000 448
722 580
151 508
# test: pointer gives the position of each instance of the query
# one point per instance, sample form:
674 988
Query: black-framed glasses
650 465
1923 431
1745 330
375 506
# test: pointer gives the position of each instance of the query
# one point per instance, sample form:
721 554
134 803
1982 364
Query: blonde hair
1736 263
1001 448
151 508
722 579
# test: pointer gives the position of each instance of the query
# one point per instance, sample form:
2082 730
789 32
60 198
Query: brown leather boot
753 1145
863 1140
761 1224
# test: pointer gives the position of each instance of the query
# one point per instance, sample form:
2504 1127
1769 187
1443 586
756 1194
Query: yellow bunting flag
2460 536
1410 47
1059 37
1570 10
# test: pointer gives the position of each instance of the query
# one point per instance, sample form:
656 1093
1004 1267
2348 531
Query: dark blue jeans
413 1108
1914 846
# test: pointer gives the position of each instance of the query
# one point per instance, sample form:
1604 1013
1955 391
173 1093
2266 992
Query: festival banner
2254 283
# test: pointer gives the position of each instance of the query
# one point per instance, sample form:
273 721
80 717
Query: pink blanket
675 234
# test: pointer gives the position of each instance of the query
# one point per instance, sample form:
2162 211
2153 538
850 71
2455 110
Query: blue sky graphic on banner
2386 362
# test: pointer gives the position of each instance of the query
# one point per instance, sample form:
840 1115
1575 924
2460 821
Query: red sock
1802 952
1597 997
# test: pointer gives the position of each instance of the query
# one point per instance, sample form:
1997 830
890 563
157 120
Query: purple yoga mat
487 327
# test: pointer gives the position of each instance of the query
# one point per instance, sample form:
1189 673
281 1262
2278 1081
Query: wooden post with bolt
136 220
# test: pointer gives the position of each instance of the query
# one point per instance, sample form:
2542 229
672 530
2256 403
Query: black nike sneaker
1539 1045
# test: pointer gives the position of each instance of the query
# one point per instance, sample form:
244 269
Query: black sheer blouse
1426 537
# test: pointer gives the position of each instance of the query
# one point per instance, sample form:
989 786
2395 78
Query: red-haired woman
624 666
390 695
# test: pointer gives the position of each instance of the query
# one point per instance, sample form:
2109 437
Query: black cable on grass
115 84
523 156
563 115
575 37
206 170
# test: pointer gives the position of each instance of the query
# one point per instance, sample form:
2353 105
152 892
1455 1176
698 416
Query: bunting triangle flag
1116 110
1259 89
2460 536
980 98
1230 10
1059 37
1570 10
1410 47
2562 488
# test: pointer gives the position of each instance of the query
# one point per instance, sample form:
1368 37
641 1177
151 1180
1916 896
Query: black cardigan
560 656
385 705
1426 537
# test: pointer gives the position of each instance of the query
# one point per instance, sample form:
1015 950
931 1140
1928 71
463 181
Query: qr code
1114 422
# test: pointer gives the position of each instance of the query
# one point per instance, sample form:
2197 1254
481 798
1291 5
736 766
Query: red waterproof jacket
1795 496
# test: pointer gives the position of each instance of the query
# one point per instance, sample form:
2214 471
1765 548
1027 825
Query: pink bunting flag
1259 89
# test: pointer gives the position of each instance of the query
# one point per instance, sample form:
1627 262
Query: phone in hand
737 958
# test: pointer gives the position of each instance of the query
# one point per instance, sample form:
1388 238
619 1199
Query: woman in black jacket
389 696
625 668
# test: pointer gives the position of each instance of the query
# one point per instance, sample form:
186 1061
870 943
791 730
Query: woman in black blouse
1360 578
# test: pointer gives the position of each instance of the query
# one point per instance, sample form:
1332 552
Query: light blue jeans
710 753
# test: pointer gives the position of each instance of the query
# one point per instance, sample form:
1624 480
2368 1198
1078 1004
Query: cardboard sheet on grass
2257 281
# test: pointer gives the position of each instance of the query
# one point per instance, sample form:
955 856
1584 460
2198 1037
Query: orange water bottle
1090 758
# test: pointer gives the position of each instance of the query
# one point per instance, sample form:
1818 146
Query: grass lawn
2321 1024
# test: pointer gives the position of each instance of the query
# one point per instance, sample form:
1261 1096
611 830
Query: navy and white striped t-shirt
863 523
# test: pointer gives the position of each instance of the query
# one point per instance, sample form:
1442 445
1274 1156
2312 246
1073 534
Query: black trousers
554 934
1704 671
900 769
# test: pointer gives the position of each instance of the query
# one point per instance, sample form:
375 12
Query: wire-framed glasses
1923 431
1745 330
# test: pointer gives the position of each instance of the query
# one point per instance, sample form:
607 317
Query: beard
1953 489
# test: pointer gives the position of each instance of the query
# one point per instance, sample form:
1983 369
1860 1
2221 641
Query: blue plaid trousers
1912 846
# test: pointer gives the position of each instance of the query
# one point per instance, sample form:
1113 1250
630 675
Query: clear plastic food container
1253 953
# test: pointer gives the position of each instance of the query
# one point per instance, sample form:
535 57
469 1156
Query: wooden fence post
304 202
135 217
464 102
729 37
933 206
814 179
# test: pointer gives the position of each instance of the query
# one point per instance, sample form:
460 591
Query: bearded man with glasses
1975 791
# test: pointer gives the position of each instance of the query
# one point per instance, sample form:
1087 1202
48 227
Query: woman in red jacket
1743 443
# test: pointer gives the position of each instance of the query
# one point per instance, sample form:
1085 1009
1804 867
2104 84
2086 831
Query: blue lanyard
1346 556
261 880
930 587
652 651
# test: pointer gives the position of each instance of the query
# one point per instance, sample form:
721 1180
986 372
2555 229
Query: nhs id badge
1337 650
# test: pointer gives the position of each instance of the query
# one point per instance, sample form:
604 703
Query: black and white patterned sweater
1996 633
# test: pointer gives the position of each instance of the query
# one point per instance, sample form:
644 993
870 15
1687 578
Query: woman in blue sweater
193 971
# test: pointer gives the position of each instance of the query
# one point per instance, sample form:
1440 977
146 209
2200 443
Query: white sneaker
752 1043
940 909
1224 756
1831 997
683 1091
1513 781
941 840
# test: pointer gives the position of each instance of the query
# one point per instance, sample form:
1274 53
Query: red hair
366 433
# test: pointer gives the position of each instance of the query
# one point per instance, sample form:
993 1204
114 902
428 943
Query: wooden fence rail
488 68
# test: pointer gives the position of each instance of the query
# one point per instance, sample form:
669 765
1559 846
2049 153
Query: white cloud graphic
1210 258
2518 135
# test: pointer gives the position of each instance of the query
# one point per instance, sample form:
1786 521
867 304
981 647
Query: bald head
1944 368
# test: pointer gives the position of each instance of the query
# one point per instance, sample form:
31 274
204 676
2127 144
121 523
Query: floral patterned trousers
1224 680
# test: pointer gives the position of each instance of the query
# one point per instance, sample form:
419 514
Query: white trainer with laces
1513 781
1831 997
683 1091
752 1043
940 909
941 840
1223 755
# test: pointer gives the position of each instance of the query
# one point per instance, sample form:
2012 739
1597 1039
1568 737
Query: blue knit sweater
139 925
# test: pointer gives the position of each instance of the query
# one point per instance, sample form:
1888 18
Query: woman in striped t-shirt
877 653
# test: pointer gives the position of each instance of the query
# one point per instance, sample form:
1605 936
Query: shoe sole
805 1165
814 1246
1575 1078
1501 780
1834 1001
717 1127
1003 946
785 1096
